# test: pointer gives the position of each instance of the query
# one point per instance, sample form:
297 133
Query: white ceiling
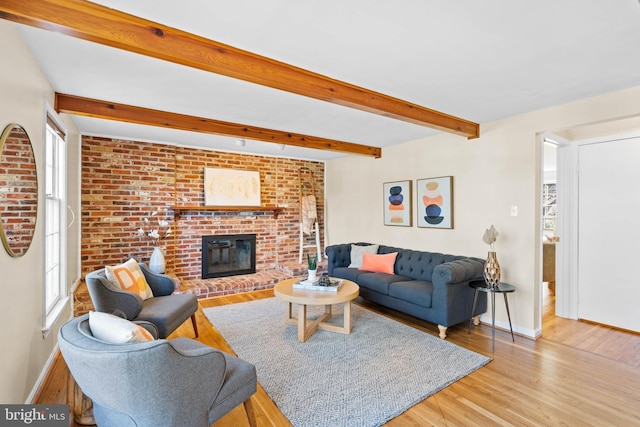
478 60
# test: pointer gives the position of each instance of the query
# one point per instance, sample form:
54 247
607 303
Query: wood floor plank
577 373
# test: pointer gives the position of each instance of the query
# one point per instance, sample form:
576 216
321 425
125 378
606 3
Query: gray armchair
156 383
164 310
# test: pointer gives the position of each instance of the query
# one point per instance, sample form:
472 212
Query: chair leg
81 406
195 327
248 407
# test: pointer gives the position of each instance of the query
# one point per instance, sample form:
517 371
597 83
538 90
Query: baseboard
518 330
44 375
75 285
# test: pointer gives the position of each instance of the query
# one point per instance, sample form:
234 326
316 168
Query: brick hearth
209 288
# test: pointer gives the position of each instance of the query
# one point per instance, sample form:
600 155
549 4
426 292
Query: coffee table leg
302 322
289 313
347 317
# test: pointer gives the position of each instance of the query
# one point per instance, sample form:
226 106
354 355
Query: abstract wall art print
396 199
435 202
230 187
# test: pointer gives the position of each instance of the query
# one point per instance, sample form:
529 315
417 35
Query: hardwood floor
577 374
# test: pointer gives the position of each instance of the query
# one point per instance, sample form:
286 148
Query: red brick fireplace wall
125 181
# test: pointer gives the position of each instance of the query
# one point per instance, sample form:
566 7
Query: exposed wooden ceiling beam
96 23
126 113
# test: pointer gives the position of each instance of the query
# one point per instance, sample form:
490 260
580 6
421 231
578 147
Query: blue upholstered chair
179 383
164 310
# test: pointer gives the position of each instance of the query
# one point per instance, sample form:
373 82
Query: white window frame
55 295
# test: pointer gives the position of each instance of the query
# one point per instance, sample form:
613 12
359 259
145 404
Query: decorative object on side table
313 267
491 266
156 232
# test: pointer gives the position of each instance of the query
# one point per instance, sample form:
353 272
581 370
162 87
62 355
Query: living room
498 170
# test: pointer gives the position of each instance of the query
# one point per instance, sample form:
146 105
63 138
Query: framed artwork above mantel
230 187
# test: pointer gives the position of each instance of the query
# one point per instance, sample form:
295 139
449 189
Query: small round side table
502 288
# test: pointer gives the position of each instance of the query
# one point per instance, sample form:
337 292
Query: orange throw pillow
129 277
379 263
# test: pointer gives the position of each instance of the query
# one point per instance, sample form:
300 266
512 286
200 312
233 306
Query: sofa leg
248 407
443 331
193 322
476 320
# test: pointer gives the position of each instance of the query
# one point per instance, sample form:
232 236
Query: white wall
23 92
500 169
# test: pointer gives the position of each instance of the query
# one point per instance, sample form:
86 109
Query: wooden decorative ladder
309 185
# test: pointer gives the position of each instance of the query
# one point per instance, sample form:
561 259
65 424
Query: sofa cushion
347 273
357 251
415 291
379 263
379 282
417 265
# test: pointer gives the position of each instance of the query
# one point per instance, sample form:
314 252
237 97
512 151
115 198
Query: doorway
569 209
549 236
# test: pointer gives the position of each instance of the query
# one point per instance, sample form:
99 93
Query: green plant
312 263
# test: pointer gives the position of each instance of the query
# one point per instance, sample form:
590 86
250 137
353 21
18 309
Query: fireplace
228 255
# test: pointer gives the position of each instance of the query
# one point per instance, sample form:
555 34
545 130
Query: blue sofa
427 285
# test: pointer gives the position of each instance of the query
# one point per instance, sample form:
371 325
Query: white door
609 233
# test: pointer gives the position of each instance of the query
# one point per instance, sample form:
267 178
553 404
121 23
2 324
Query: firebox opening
228 255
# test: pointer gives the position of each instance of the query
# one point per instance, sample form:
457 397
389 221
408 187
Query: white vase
312 275
156 262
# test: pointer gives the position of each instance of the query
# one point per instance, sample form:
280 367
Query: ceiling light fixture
241 142
281 147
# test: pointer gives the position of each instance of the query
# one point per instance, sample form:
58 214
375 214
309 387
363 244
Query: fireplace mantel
275 209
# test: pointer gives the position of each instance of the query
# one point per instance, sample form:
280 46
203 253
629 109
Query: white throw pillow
129 277
357 251
116 330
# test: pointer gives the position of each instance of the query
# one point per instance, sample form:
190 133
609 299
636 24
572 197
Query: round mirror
18 190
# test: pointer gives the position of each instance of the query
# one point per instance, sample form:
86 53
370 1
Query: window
55 292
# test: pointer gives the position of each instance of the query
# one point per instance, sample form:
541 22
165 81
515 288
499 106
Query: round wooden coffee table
347 292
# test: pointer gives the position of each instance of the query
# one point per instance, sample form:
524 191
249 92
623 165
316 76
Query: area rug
362 379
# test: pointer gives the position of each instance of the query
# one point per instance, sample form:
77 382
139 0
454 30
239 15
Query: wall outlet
514 211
